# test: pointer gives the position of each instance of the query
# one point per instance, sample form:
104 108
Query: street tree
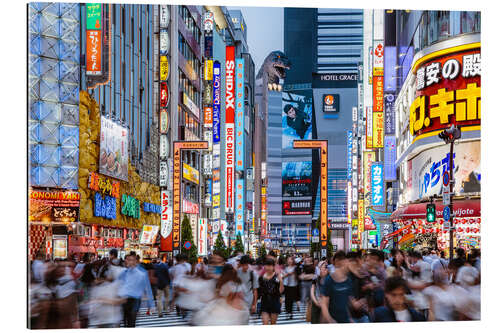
187 236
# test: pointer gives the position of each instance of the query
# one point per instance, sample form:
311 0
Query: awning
461 208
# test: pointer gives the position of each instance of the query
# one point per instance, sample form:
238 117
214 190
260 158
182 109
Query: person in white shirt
249 281
291 282
442 300
421 278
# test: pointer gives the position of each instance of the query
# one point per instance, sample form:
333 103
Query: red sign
163 94
190 207
208 111
102 184
448 90
94 52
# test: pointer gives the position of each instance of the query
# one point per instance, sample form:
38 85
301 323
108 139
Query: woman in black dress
270 289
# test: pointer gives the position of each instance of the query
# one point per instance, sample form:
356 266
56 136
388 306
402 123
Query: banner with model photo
113 152
296 179
426 170
296 120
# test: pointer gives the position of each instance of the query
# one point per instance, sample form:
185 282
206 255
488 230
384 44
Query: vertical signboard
166 214
323 146
230 113
390 158
378 130
378 58
202 236
369 127
239 217
216 102
94 52
178 147
377 184
263 209
240 114
349 202
94 13
368 159
361 212
349 155
390 114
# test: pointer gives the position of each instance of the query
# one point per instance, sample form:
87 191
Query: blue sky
264 31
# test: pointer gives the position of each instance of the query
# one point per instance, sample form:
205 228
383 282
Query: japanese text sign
377 174
94 52
102 184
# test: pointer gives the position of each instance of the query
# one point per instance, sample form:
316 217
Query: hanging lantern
467 230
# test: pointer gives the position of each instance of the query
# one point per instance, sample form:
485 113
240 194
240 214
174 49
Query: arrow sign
316 232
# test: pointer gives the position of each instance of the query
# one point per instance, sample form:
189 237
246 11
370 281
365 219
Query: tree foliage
187 235
239 247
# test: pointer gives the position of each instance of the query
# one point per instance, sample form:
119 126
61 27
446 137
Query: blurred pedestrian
134 284
270 289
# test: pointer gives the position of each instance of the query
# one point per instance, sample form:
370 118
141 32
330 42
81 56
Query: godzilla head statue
274 68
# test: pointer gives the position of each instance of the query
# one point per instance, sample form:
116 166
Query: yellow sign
191 173
378 130
311 144
164 68
208 73
361 213
369 128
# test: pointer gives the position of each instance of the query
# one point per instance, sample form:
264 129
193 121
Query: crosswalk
172 319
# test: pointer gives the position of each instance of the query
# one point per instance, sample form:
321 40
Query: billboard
448 90
426 174
390 158
349 155
390 114
296 179
54 206
216 102
377 184
94 16
113 152
296 207
378 130
296 121
331 103
190 173
369 127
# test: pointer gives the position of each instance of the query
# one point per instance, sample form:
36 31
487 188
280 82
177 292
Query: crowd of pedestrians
353 287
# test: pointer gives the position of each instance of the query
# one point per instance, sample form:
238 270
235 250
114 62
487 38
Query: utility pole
449 136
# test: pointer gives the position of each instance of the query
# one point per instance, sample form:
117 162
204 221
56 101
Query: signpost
446 213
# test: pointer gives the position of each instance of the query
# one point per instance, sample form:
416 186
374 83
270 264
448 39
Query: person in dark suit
396 309
296 119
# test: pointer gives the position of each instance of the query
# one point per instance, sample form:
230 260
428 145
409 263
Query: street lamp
449 135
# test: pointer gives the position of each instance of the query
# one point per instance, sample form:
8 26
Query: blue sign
390 158
446 178
446 213
187 245
315 232
217 98
349 155
104 207
377 174
151 208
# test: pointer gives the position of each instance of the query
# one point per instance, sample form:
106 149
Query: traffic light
450 134
431 213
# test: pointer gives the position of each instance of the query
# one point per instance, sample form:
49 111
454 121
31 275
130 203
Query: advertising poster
427 169
113 152
296 121
448 92
216 102
148 234
377 184
296 179
390 158
202 236
54 206
239 209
